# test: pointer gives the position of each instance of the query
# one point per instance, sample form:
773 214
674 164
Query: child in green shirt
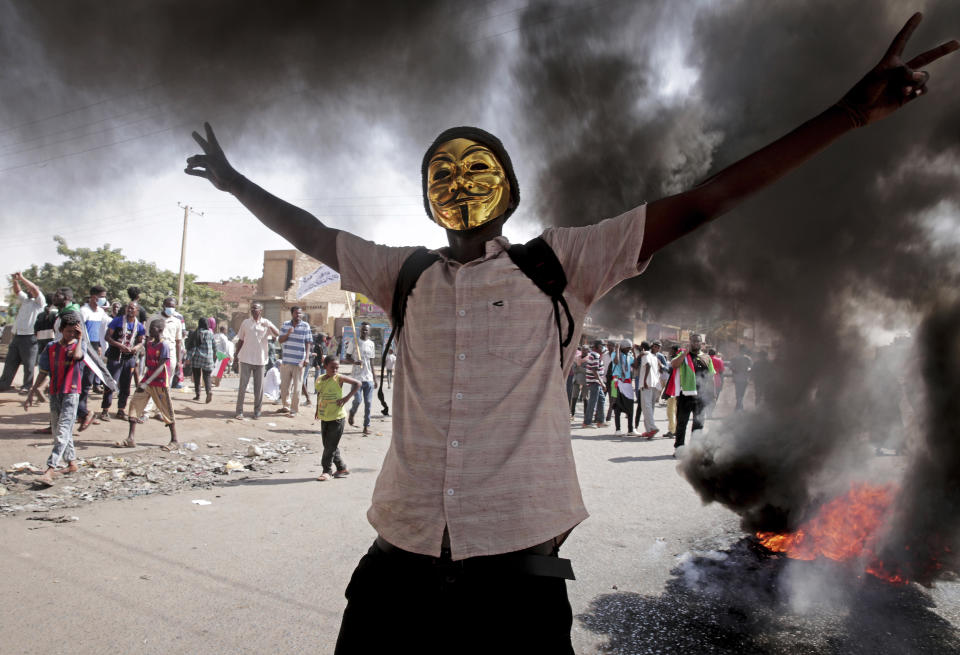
330 411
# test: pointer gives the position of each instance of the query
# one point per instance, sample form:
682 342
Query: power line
80 136
80 127
91 233
141 136
76 109
90 221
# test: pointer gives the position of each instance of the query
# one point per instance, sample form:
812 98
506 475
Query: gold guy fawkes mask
467 185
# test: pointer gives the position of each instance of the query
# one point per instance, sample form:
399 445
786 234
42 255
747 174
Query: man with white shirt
23 348
649 388
93 314
172 334
252 347
368 383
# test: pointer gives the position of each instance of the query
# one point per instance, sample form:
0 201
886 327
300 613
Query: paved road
262 568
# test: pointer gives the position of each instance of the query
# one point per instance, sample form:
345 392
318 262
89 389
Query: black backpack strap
539 263
419 260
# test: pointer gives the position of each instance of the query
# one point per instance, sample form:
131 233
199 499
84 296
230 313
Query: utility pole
187 210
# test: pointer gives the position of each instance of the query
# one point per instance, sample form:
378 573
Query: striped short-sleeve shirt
296 347
65 372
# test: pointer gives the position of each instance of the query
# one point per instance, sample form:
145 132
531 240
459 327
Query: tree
244 279
108 267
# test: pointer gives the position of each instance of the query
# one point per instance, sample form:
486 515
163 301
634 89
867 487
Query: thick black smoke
924 538
310 81
847 232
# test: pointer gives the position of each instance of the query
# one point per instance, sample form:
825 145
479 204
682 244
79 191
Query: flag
321 277
94 363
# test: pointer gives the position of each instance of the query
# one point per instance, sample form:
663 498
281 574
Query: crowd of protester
628 381
78 344
120 352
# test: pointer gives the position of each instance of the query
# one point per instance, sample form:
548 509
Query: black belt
540 560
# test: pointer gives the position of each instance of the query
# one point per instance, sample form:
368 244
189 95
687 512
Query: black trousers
740 388
122 372
434 605
197 372
23 350
330 434
624 405
687 405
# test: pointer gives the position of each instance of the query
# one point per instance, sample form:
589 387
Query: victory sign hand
892 83
212 164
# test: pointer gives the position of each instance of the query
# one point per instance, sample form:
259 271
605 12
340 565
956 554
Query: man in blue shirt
297 340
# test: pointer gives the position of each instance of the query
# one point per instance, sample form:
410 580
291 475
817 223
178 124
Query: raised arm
887 87
299 227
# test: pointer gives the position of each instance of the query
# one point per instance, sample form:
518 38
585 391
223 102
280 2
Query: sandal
324 477
45 480
170 447
126 443
91 419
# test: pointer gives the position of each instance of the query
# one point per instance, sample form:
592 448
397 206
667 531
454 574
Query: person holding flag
692 387
63 361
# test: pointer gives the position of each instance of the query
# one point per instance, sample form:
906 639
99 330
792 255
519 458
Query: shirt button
459 396
455 443
461 357
449 492
462 312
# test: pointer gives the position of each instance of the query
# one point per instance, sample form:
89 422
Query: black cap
480 136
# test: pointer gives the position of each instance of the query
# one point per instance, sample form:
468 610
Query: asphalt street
262 567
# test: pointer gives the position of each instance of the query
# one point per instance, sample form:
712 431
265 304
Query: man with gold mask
477 492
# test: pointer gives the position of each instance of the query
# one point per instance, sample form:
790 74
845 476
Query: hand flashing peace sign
892 83
212 164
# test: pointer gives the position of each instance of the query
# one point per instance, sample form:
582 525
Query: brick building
278 287
236 299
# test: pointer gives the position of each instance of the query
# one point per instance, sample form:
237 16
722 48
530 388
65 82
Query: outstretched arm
32 289
887 87
297 226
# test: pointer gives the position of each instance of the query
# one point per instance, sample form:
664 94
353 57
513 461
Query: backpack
535 258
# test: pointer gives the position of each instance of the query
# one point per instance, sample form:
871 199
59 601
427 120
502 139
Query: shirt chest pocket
519 328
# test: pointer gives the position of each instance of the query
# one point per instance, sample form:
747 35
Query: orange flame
845 528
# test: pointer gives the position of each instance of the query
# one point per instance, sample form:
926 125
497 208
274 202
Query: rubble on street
144 471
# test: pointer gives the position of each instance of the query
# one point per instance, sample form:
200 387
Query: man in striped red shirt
62 361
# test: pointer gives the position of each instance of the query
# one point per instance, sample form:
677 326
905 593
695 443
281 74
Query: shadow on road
742 601
651 458
294 430
607 437
266 481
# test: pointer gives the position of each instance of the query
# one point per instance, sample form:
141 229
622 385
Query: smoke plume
849 231
312 82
